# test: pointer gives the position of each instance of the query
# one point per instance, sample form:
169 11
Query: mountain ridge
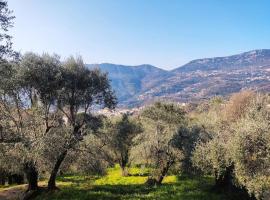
229 61
195 80
130 80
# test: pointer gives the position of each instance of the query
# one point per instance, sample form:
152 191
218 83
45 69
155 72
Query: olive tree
161 122
185 140
237 152
94 154
250 148
21 124
121 134
27 114
81 90
39 77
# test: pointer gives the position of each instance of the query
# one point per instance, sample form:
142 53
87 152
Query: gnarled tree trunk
162 174
225 181
123 163
2 177
124 171
31 174
10 179
52 180
159 178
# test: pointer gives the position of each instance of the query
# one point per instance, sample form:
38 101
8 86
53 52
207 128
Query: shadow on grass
124 189
132 192
207 184
185 188
140 174
77 179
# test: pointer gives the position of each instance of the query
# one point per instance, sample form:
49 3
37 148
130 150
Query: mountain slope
252 58
129 81
198 79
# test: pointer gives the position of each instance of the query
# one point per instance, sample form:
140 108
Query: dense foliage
237 152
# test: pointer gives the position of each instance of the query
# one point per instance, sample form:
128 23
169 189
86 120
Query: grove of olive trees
49 127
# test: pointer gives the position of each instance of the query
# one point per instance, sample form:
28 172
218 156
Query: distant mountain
128 81
198 79
251 58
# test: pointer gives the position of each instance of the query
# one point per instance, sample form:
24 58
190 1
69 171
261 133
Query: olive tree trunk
31 174
160 176
225 181
124 162
2 177
52 180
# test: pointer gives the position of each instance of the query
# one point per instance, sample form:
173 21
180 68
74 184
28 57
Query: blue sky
165 33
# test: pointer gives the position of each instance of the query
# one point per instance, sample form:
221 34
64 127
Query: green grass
114 187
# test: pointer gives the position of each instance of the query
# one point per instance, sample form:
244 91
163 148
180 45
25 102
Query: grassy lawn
113 186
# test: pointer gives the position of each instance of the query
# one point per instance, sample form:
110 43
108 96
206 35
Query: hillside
259 57
198 79
129 81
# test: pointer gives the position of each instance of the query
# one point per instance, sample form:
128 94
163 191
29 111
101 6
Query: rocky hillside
252 58
198 79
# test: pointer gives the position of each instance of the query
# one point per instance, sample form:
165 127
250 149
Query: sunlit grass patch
137 171
115 187
76 181
114 177
170 179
